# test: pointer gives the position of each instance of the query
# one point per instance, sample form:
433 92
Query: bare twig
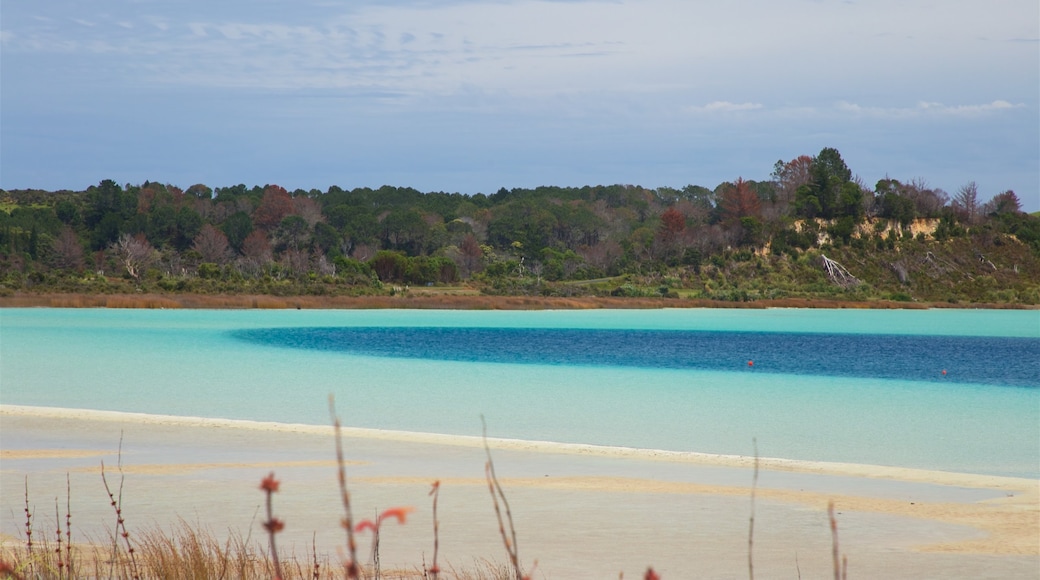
28 526
348 521
117 505
751 520
498 494
70 572
57 551
316 574
838 573
435 491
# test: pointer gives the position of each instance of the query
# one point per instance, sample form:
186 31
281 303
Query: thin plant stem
272 525
28 527
751 520
316 574
57 551
834 541
435 492
498 494
348 520
117 504
69 568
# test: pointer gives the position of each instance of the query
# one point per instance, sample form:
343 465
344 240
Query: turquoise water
208 363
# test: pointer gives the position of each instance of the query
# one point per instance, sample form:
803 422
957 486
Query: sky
471 96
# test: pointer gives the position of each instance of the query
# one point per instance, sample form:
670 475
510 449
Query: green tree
820 196
67 212
404 229
189 224
237 228
389 266
527 222
293 233
326 238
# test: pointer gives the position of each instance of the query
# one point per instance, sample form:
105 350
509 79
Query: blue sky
471 96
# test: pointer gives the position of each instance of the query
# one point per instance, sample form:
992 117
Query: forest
812 230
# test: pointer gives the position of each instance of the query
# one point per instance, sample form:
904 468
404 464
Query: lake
954 390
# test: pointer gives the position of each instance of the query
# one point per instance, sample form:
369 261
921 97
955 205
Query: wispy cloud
518 74
724 107
927 108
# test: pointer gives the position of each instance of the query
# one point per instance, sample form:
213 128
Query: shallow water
827 385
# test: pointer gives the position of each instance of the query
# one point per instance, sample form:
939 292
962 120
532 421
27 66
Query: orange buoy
751 363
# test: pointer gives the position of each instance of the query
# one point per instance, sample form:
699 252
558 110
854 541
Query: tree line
366 238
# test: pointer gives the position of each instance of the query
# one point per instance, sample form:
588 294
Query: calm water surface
831 385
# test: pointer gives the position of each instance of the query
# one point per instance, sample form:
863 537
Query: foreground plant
398 513
273 525
435 491
352 569
498 495
841 564
116 501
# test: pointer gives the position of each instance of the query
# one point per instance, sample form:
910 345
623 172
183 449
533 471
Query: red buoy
944 372
751 363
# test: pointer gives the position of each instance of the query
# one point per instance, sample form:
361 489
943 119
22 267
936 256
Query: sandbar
580 511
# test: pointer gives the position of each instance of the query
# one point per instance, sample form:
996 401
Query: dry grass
186 552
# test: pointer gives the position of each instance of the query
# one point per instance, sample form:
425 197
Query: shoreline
629 507
904 474
422 298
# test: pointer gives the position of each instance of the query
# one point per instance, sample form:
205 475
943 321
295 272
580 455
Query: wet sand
580 511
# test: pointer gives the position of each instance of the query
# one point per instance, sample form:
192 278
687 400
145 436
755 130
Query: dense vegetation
812 230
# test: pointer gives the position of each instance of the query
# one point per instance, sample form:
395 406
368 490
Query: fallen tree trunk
838 274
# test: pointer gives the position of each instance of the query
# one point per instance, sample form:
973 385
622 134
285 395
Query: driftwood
838 274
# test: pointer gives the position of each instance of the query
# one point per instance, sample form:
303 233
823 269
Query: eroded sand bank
581 511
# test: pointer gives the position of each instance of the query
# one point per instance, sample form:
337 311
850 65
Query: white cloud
725 107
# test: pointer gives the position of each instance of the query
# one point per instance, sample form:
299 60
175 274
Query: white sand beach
580 511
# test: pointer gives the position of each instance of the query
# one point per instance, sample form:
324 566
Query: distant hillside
811 232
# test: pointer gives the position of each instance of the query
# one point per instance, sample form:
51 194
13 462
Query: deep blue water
999 361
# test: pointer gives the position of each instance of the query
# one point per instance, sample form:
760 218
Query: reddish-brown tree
256 247
212 245
738 200
790 176
673 223
275 205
